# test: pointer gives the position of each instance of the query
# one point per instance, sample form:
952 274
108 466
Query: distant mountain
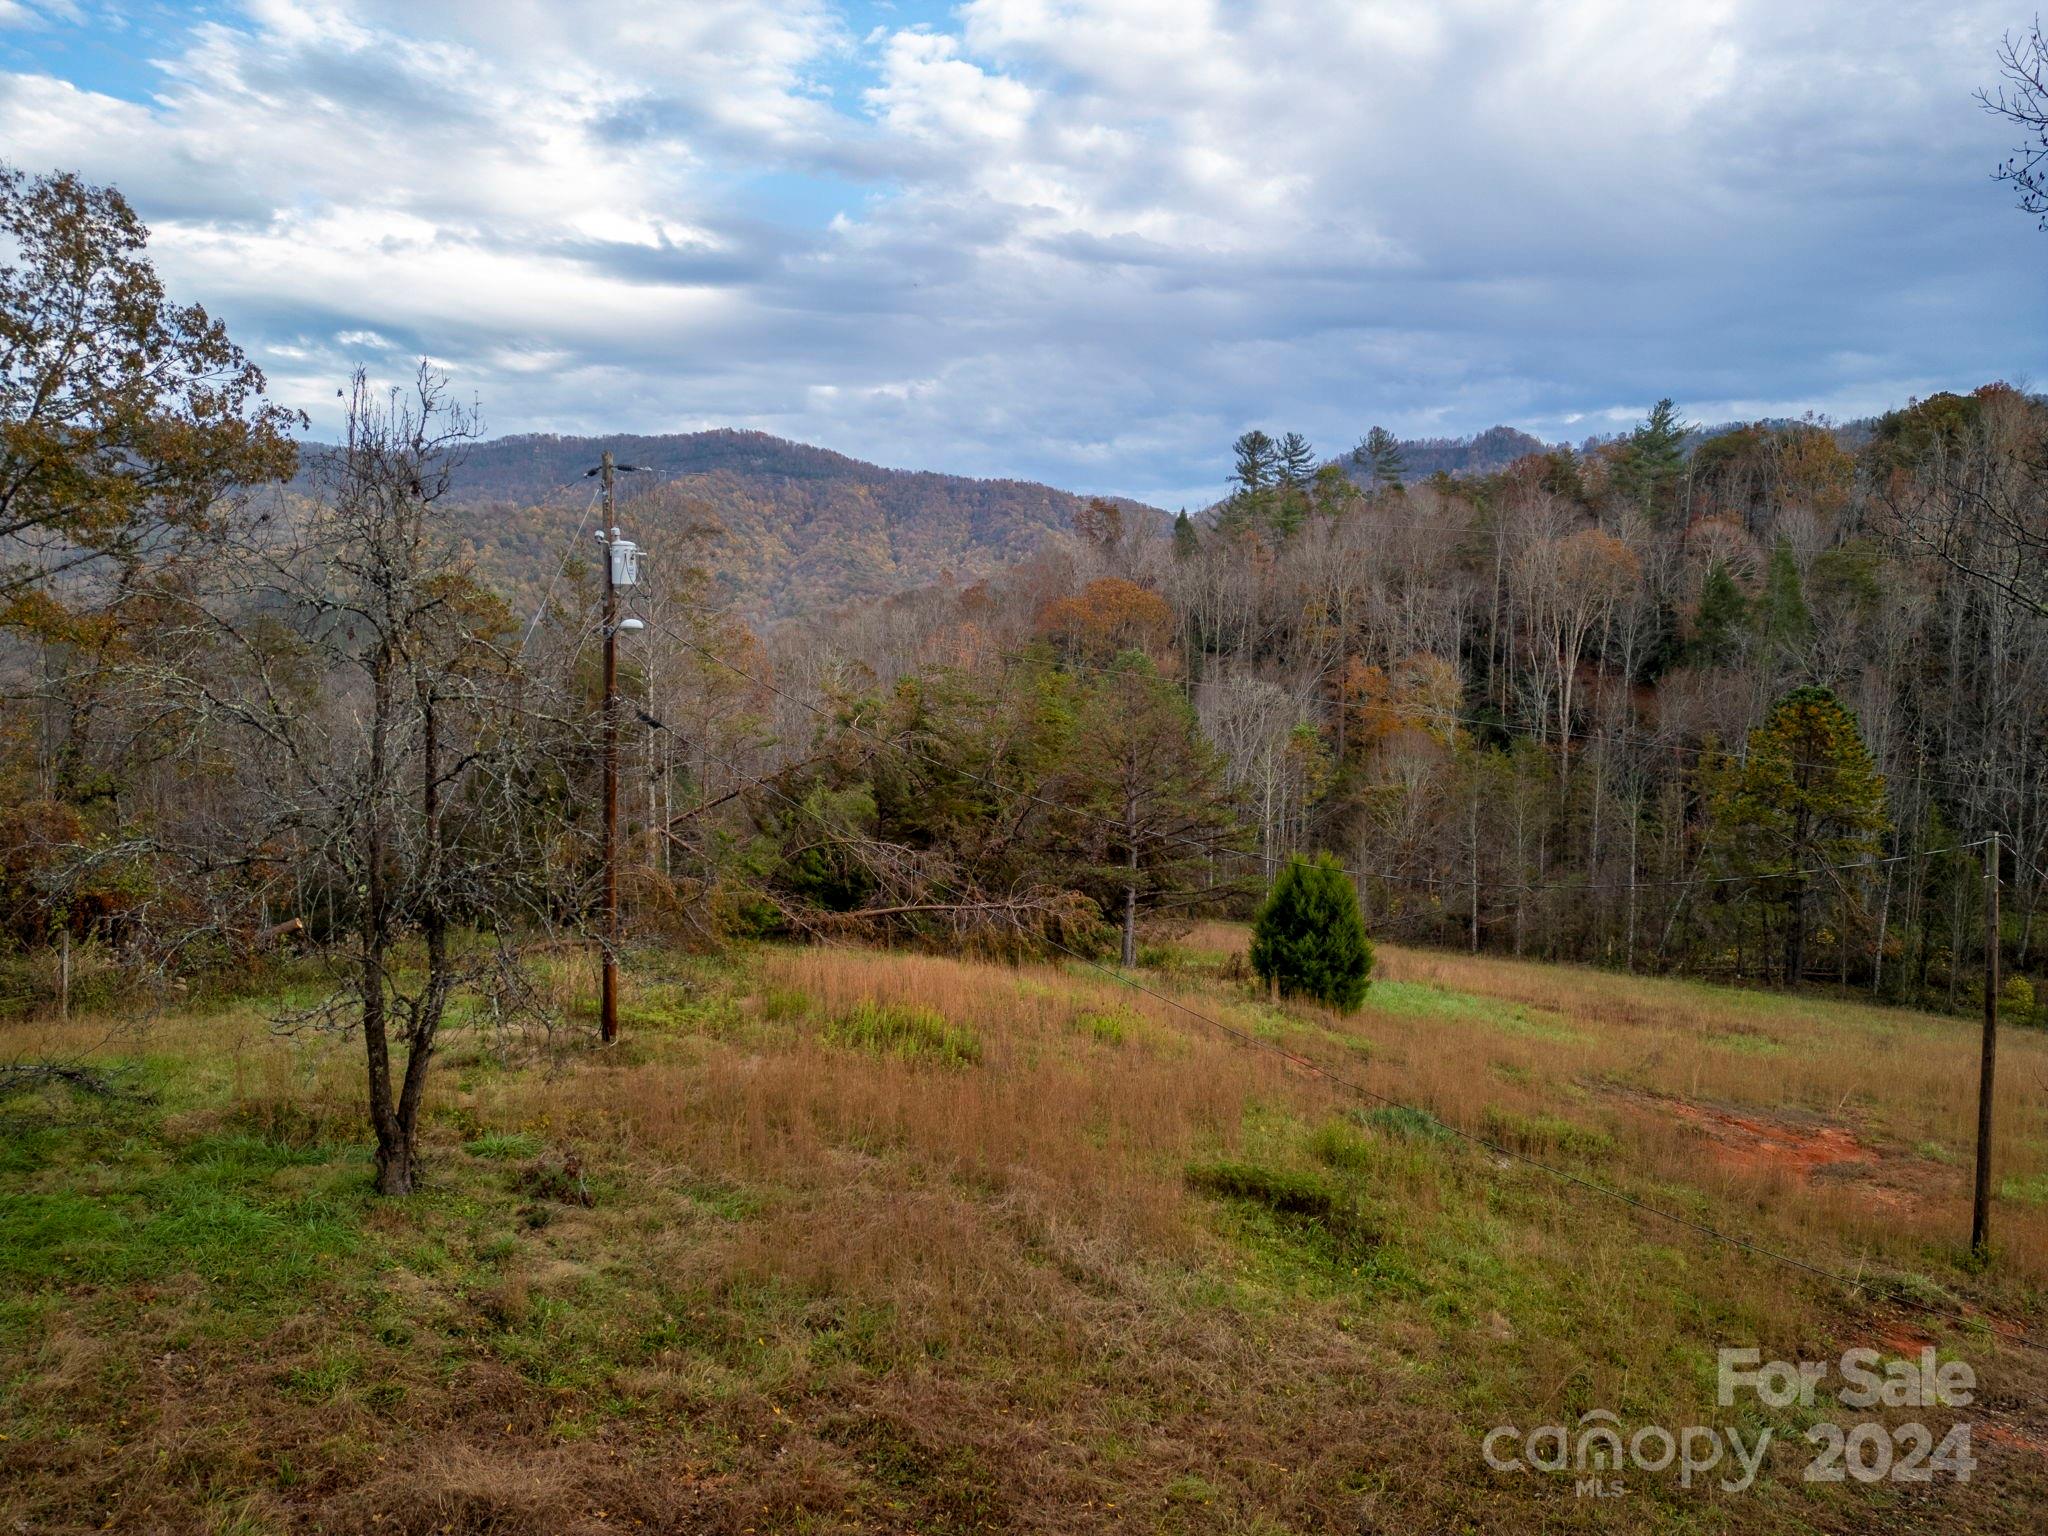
798 527
1483 453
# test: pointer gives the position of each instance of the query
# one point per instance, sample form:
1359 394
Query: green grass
2032 1190
1405 1124
502 1146
688 1009
1303 1201
909 1033
780 1004
1338 1145
1112 1028
1539 1134
1749 1043
1417 999
252 1218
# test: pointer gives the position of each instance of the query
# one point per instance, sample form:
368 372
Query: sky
1080 241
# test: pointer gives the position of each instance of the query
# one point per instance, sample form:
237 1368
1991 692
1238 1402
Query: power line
549 595
1247 1038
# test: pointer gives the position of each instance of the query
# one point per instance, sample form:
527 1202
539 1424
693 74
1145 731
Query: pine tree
1257 463
1332 493
1718 625
1154 805
1562 476
1186 541
1379 454
1254 473
1308 938
1806 799
1287 504
1652 459
1783 621
1296 460
1287 510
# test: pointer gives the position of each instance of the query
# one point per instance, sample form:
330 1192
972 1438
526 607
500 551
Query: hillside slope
797 527
857 1242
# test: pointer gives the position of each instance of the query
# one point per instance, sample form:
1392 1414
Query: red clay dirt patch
1899 1339
2007 1434
1905 1338
1795 1147
1758 1145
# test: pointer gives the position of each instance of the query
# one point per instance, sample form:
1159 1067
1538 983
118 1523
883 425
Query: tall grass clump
1301 1200
905 1031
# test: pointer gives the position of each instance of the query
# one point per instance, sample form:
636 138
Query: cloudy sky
1084 241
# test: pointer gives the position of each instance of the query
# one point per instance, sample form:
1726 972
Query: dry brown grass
1602 1049
828 1289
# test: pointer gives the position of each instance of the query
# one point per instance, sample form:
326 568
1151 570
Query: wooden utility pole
1980 1210
1130 949
608 1016
1472 827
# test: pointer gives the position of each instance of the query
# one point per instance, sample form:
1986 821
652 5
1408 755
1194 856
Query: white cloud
34 13
1083 239
928 92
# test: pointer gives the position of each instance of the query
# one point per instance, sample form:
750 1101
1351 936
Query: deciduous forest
1741 703
1744 702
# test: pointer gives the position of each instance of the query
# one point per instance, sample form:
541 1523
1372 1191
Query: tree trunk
1130 951
2033 900
1842 939
1474 835
1635 825
1958 926
394 1163
399 1177
1795 935
394 1159
1884 918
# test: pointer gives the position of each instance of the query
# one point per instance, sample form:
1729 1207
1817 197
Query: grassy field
849 1241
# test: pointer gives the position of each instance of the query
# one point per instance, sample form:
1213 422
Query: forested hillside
1748 707
781 527
785 528
1483 453
1750 703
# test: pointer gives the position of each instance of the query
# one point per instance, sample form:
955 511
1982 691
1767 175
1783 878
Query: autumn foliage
1108 616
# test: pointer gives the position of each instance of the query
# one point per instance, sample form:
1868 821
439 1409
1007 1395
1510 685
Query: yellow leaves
1814 471
1598 565
36 612
1419 699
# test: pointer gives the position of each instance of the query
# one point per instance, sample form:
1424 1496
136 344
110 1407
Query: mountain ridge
795 526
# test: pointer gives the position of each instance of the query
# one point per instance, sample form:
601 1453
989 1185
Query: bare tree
1981 505
2022 100
376 683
